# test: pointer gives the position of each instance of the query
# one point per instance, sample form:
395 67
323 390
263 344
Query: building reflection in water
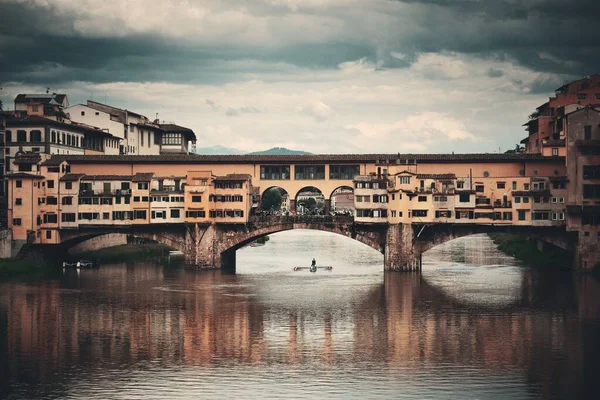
117 318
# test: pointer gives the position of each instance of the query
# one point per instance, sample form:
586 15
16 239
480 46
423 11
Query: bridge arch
339 225
304 195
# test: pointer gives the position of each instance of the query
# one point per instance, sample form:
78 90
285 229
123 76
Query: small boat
314 268
81 264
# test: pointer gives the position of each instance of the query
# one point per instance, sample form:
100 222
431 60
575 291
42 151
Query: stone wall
5 243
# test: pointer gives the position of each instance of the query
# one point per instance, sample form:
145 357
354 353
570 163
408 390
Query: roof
173 128
35 120
555 143
27 158
233 177
106 178
142 177
47 98
308 159
23 175
71 177
436 176
100 107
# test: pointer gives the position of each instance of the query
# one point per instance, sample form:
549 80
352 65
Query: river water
474 325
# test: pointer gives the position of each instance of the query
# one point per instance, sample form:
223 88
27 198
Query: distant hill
279 151
218 150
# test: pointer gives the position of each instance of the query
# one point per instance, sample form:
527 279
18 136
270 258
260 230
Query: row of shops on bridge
49 197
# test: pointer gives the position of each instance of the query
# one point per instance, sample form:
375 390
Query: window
175 213
68 185
464 198
52 200
171 139
419 213
581 96
308 172
275 172
591 191
50 218
404 180
105 215
525 199
143 186
50 184
21 136
587 132
501 185
97 113
18 202
443 214
343 171
460 185
526 186
422 198
67 201
83 113
17 221
195 214
141 138
521 215
479 188
561 199
507 216
136 198
440 198
517 199
591 172
8 135
139 214
106 187
554 151
554 200
35 135
67 217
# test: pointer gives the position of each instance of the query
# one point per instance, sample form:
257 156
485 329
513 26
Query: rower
314 263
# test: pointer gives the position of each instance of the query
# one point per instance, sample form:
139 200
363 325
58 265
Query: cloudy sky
325 76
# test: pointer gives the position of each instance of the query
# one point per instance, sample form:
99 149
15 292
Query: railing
293 219
117 192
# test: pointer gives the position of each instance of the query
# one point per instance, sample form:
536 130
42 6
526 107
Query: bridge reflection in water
221 333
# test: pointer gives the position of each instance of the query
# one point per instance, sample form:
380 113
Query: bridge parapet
301 219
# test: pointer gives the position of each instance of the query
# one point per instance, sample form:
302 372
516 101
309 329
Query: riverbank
31 268
527 252
127 252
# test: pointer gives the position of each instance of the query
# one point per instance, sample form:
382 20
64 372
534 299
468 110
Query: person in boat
313 263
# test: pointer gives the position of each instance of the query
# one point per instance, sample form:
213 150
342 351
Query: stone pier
401 252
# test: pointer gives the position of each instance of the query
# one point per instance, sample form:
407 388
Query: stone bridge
215 245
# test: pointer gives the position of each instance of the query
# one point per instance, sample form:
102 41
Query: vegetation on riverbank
527 251
31 267
127 252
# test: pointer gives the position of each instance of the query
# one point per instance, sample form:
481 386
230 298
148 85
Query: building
138 135
546 125
49 105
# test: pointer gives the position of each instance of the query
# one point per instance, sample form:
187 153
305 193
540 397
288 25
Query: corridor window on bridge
309 172
275 172
343 171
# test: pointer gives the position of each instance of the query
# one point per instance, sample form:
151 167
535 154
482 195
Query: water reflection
270 332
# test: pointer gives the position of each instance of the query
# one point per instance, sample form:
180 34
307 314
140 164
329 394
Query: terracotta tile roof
142 177
71 177
23 175
233 177
278 159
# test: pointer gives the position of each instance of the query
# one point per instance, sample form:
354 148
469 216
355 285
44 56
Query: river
475 324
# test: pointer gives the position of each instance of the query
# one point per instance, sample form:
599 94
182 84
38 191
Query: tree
1 105
272 199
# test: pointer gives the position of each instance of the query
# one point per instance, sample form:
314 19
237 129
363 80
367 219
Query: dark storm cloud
39 46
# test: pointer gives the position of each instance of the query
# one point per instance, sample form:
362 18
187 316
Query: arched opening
310 201
297 247
342 201
274 200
